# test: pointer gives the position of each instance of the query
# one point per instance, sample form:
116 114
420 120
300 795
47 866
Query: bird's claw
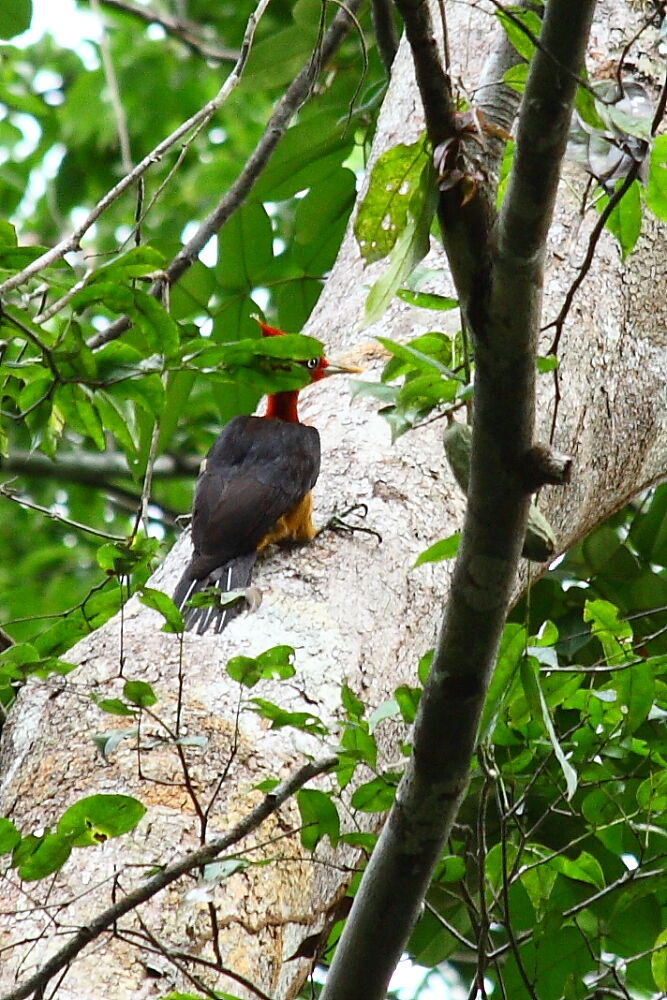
338 523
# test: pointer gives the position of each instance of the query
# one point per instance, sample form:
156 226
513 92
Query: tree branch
85 467
195 859
385 32
434 784
186 31
277 125
465 225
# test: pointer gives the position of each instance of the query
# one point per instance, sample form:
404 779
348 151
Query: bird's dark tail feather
234 575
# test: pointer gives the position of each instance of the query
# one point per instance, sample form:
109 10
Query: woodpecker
254 489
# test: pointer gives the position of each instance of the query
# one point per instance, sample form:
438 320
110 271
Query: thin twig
114 92
59 517
185 31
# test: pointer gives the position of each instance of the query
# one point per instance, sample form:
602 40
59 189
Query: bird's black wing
257 470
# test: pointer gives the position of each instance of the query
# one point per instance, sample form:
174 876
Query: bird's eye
312 364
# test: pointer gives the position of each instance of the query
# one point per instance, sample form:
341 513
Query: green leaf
134 263
613 634
280 717
584 868
396 194
97 818
427 300
625 221
516 77
447 548
310 152
15 17
512 23
160 330
118 423
546 364
407 699
376 795
140 693
9 836
37 857
358 740
409 248
656 188
114 706
353 706
569 773
245 248
273 664
636 688
386 710
659 962
89 416
319 817
164 605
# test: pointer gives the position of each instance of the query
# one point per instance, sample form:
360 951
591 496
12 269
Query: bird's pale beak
338 368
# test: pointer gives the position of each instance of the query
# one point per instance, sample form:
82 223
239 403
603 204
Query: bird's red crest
270 331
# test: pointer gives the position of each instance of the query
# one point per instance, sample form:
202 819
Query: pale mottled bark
353 609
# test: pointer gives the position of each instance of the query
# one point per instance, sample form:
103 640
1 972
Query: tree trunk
353 609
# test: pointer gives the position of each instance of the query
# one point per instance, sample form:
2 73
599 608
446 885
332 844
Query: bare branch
465 223
385 32
85 467
286 108
186 31
195 859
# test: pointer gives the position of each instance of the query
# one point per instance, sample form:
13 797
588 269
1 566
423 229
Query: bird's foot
338 523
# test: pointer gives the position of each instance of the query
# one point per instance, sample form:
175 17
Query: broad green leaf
159 328
584 868
99 817
15 17
510 654
89 416
358 740
396 195
115 706
447 548
546 364
162 603
245 248
9 836
656 188
42 856
134 263
613 634
625 221
516 76
311 151
514 23
280 717
659 962
408 699
319 817
409 248
428 300
636 687
376 795
140 693
353 706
